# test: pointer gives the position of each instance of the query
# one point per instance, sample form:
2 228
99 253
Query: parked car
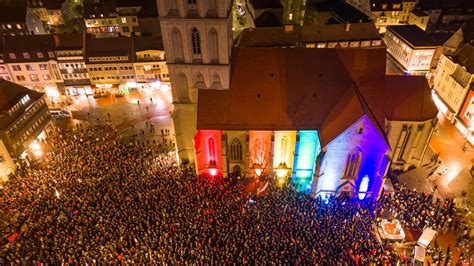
59 113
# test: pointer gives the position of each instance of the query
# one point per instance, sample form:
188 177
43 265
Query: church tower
197 35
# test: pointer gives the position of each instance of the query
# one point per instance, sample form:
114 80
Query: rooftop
11 95
291 89
415 36
267 19
340 10
69 41
48 4
465 57
12 14
277 36
32 44
266 4
115 46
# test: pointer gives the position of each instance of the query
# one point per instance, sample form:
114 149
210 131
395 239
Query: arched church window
196 41
177 44
211 145
353 163
213 46
236 150
182 88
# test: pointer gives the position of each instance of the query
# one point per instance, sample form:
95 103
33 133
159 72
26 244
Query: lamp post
282 172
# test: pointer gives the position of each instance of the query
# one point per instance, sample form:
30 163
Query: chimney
348 26
288 27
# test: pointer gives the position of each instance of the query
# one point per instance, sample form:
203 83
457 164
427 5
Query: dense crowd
99 198
418 210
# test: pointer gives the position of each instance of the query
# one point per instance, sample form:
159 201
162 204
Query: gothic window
283 149
213 46
192 2
196 41
353 163
199 81
236 150
211 145
406 133
182 88
177 44
213 4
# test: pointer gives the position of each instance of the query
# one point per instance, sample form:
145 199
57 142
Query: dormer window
50 54
26 55
12 55
40 55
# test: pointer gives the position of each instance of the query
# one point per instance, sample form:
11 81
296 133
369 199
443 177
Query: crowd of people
418 210
98 198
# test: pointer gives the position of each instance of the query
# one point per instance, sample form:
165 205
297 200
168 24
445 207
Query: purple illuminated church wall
372 147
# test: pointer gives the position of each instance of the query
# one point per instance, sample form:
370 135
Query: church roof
311 89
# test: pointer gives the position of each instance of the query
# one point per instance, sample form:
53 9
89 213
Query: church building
328 118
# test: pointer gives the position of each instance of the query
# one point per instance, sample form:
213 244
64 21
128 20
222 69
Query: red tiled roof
310 89
408 98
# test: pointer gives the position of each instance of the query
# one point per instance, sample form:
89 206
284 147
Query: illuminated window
124 20
196 41
12 55
290 16
40 55
30 67
211 145
353 163
34 77
236 150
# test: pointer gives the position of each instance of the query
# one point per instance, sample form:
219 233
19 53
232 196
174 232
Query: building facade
327 125
109 64
150 66
23 117
385 13
32 63
48 11
453 82
16 21
197 37
412 49
318 36
69 52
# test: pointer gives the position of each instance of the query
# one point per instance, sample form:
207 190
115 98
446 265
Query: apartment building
32 63
4 72
109 63
48 11
19 21
150 66
24 116
72 64
413 49
453 83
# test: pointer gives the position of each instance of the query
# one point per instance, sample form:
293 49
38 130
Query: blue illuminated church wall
306 150
373 162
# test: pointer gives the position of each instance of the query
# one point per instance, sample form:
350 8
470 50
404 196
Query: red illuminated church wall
207 144
260 149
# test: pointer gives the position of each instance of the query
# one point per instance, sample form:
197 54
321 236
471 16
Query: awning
426 237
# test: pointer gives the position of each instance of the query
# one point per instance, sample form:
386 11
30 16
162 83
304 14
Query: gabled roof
408 98
313 89
279 92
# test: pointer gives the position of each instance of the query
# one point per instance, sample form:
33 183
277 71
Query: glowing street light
282 170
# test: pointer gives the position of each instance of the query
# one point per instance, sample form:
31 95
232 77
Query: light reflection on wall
307 150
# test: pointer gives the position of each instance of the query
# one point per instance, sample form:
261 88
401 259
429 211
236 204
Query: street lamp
282 170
